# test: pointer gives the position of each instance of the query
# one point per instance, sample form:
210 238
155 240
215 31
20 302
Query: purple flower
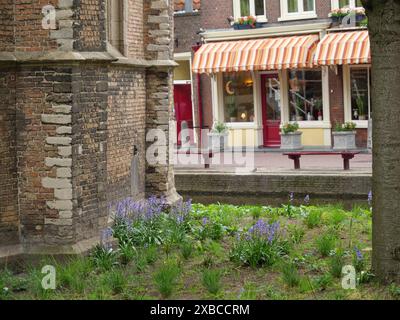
105 238
291 197
359 254
370 198
204 221
307 199
181 210
264 230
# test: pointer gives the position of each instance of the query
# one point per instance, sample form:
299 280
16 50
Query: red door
271 109
183 108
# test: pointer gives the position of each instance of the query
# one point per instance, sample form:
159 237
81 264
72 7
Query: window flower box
248 22
337 15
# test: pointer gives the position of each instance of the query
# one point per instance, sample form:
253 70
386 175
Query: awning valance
261 54
343 48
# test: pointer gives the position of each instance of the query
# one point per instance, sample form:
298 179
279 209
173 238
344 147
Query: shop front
259 85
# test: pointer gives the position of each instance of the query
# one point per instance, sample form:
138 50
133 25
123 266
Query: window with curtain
349 3
305 95
254 8
297 6
238 97
360 82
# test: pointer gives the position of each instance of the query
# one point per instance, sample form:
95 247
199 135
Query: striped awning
261 54
343 48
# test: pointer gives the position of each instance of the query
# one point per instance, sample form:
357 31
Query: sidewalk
276 162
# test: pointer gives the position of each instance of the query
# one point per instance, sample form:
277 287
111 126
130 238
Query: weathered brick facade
74 117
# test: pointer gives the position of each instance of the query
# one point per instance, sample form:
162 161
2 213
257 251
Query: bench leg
346 161
296 160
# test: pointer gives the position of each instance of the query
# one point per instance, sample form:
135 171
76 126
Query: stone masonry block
64 130
60 204
63 194
63 108
58 162
63 141
65 151
64 173
53 183
56 118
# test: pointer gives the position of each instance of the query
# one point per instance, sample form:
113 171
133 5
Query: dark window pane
359 78
259 7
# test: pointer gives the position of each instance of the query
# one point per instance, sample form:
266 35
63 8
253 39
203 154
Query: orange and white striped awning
343 48
261 54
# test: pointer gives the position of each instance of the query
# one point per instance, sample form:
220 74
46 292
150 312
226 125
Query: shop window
297 9
115 24
305 95
238 97
256 8
360 82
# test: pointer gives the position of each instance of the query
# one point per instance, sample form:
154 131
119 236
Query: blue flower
370 198
291 197
307 199
359 254
204 221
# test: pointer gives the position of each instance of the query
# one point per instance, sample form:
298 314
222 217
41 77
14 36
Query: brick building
231 83
81 83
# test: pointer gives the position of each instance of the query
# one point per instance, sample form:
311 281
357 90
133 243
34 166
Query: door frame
263 76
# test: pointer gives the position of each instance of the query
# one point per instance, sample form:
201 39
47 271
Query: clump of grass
104 258
325 244
256 212
248 292
323 282
73 274
336 217
296 233
336 263
128 251
211 280
290 274
208 261
115 280
186 249
313 219
165 278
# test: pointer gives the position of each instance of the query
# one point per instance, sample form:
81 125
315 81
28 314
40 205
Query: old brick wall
336 95
186 27
135 26
89 145
126 130
9 220
7 25
90 32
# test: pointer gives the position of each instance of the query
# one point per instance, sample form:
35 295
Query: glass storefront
238 97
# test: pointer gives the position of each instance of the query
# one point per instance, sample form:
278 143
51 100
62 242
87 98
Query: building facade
81 84
258 64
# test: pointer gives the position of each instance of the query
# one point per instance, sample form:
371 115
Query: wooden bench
206 155
346 155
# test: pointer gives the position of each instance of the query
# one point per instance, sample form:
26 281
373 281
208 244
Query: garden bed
216 252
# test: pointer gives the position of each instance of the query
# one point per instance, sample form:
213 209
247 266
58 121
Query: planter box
246 26
291 141
218 141
345 140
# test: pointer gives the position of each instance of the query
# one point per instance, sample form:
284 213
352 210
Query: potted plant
344 136
361 109
337 15
291 137
218 136
232 112
247 22
299 106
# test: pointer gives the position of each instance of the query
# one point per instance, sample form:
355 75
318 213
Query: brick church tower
81 83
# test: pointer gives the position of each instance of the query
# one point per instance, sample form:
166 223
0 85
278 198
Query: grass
196 262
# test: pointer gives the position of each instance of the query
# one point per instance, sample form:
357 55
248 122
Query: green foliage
127 251
313 218
290 274
296 233
72 275
220 127
323 282
325 244
290 127
210 230
211 280
348 126
336 263
104 258
166 276
248 292
115 280
186 249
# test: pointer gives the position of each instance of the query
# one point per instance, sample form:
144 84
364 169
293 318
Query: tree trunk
384 31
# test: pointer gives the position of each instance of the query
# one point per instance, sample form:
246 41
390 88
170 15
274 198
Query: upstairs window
185 6
297 9
255 8
339 4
